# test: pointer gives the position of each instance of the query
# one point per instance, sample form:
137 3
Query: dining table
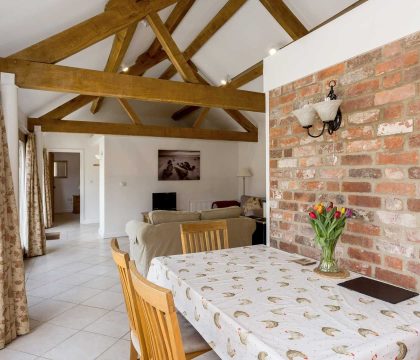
256 302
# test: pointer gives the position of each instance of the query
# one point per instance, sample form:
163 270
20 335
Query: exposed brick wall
372 164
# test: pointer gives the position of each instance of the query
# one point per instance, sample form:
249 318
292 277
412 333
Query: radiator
197 205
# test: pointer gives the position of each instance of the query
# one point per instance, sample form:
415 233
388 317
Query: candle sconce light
328 111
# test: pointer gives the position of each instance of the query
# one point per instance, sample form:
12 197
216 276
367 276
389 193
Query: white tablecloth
253 303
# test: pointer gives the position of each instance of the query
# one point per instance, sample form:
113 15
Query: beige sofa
161 236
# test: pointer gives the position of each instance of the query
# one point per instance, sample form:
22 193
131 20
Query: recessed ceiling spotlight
272 51
223 82
125 68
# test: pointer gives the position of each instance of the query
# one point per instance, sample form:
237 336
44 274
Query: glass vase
328 263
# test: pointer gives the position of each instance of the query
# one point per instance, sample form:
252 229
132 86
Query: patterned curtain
47 191
14 319
36 231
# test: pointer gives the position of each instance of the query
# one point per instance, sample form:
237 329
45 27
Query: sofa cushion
164 216
222 213
251 206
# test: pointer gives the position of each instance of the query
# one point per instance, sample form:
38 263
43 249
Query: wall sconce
328 111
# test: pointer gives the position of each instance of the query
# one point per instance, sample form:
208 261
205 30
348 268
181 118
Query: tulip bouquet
328 224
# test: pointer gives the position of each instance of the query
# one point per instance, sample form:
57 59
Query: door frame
81 153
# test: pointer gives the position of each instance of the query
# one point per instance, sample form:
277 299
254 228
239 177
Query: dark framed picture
178 165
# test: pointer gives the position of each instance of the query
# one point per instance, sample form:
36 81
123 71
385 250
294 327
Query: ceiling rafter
122 40
38 76
78 37
135 119
227 11
106 128
287 20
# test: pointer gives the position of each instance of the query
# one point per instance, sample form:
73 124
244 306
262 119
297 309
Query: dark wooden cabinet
76 204
260 234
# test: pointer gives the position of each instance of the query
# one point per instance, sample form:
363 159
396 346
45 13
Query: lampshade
306 115
327 110
244 172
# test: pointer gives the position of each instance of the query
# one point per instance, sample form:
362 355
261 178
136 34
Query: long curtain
36 232
14 319
47 191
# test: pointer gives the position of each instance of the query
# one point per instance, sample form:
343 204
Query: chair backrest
204 236
122 259
158 318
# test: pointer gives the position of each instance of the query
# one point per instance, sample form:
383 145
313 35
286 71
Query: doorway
65 172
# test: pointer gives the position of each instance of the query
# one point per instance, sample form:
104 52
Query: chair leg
133 352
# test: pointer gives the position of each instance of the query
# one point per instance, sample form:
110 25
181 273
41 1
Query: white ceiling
244 40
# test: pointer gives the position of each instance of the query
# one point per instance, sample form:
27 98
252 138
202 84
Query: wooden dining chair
159 321
204 236
137 343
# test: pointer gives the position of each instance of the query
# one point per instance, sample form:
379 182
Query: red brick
355 266
313 185
396 188
356 187
392 49
306 150
394 173
412 40
394 142
389 65
392 80
357 240
287 98
288 152
414 141
310 252
396 278
364 255
350 105
405 158
393 111
363 88
414 107
310 90
365 132
287 141
333 186
393 262
361 228
334 173
414 267
397 94
413 205
356 160
304 81
304 197
414 173
292 248
284 205
364 59
365 201
331 71
412 74
369 173
411 58
363 145
278 132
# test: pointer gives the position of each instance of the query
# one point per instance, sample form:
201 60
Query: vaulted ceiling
245 31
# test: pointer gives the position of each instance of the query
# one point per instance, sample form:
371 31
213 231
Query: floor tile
33 300
119 351
77 294
50 290
78 317
7 354
113 324
42 339
105 300
101 283
81 346
77 279
48 309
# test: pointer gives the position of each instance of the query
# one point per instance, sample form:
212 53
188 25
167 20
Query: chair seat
211 355
191 339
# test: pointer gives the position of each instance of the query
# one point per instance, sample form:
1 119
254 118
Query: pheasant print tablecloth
254 303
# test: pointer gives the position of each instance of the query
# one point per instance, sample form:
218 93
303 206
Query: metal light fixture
328 111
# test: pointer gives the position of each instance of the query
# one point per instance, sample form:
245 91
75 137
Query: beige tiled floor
75 302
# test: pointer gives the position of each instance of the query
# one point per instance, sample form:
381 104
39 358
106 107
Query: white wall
133 161
370 25
89 186
65 188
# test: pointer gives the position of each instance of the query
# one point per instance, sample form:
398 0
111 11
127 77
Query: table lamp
244 173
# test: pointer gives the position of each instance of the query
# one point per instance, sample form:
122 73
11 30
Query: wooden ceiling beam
106 128
135 119
68 107
37 76
89 32
228 10
201 117
171 48
122 40
285 17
